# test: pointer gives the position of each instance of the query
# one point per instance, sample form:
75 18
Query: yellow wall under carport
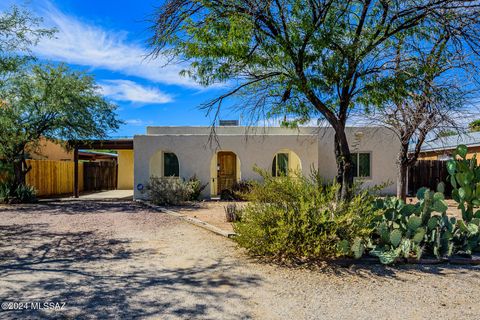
125 170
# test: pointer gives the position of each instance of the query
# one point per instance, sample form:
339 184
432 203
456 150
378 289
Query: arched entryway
285 162
224 171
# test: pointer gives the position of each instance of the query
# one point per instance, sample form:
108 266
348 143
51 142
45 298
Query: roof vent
228 123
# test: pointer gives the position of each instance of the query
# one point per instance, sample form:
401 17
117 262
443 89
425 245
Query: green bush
173 191
296 218
20 194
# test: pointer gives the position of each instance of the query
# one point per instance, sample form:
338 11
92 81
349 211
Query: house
442 148
231 154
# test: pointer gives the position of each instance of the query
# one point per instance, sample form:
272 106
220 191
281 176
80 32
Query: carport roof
114 144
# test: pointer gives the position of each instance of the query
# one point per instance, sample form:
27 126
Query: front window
170 165
361 165
280 165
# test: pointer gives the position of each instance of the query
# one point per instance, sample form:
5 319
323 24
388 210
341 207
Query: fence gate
428 173
99 175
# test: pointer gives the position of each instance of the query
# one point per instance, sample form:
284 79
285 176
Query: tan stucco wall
125 169
257 146
48 150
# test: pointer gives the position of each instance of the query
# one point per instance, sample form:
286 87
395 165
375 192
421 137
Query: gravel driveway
119 260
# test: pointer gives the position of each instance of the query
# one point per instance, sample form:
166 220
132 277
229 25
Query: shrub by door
226 170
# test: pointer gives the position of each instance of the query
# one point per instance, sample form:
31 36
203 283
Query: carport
76 145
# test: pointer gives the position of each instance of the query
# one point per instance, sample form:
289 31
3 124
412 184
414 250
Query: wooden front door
227 170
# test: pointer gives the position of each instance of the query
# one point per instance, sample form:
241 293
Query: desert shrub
238 192
196 187
232 213
297 218
173 191
19 194
404 231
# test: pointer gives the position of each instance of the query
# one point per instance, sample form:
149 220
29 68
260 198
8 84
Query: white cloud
80 43
138 122
126 90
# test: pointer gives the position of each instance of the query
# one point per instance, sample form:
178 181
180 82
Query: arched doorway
224 171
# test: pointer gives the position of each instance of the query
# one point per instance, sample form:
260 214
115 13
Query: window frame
177 175
275 167
357 165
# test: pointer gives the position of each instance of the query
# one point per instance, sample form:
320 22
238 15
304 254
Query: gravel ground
212 212
118 260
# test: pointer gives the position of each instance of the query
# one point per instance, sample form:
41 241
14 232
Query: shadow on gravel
108 278
75 207
392 272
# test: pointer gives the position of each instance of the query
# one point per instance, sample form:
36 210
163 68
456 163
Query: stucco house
233 152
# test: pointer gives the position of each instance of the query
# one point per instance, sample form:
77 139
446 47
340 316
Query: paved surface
102 195
119 260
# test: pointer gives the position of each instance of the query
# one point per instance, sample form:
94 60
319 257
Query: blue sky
108 40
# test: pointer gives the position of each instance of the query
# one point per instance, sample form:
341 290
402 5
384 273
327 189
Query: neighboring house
55 151
49 150
234 151
442 148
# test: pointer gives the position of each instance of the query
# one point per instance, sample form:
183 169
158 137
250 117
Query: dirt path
118 260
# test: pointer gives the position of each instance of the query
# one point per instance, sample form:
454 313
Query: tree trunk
402 167
344 166
18 173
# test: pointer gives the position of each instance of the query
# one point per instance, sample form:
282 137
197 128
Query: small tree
50 102
302 58
427 91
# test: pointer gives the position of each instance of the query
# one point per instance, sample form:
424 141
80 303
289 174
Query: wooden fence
53 177
428 173
100 175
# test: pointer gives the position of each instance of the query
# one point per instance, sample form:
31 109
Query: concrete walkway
109 195
102 195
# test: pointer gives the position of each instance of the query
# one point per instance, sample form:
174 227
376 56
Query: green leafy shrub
20 194
296 218
174 191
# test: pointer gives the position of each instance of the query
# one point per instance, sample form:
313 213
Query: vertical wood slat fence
428 173
100 175
51 177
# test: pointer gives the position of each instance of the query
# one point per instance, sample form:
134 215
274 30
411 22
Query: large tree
299 58
19 31
51 102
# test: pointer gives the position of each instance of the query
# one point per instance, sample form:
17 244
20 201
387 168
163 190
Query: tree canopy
19 31
303 58
53 103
